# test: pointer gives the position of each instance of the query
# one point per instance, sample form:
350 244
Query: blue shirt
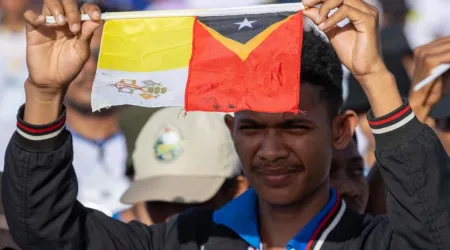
241 216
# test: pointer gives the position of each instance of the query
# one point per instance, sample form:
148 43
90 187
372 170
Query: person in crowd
431 106
347 171
99 145
13 68
6 241
182 163
432 102
286 157
131 120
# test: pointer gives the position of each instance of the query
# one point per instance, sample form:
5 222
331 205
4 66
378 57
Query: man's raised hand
357 43
56 53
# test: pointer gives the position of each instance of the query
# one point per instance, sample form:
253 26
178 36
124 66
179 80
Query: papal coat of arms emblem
149 89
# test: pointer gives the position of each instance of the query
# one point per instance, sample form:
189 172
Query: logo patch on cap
169 145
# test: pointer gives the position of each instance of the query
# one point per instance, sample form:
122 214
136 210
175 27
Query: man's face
14 6
286 157
347 177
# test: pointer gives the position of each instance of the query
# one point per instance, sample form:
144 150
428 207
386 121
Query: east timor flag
210 63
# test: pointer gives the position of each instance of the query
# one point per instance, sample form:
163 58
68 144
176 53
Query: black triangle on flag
242 28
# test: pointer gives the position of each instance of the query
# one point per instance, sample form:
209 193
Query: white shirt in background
429 20
13 73
100 169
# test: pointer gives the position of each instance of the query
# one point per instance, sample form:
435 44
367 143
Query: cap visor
177 189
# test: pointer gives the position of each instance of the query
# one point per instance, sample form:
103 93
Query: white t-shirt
100 169
13 73
430 20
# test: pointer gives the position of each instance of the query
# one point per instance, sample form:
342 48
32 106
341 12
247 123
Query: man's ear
344 127
242 185
229 121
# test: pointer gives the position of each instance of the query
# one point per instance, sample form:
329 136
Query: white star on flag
245 23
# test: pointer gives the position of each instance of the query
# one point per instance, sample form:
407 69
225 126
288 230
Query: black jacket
40 189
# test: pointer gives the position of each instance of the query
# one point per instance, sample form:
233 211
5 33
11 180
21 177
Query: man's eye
298 127
358 172
248 127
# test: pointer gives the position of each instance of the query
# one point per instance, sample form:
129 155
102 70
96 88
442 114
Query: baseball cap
182 157
131 120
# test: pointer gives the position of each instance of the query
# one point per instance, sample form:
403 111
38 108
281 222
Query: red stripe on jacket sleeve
40 132
391 117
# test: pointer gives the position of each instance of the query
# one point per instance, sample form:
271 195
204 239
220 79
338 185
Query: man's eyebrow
296 120
248 120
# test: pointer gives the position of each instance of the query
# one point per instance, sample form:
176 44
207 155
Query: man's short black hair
322 67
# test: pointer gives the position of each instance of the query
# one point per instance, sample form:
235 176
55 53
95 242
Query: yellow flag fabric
146 45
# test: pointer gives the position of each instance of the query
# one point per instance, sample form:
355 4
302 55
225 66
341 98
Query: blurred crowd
112 148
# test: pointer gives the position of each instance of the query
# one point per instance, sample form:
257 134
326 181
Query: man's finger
326 7
443 50
87 31
311 3
312 13
430 61
362 6
440 41
32 21
345 11
72 14
92 10
56 10
420 51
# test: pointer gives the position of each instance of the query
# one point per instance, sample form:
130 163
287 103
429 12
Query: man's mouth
277 176
276 171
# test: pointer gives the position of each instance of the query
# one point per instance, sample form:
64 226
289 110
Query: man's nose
272 147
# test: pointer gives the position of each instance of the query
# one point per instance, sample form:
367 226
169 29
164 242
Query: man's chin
280 196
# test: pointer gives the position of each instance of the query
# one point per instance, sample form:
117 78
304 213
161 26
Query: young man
183 163
285 157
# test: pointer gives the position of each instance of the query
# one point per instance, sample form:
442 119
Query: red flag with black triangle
246 62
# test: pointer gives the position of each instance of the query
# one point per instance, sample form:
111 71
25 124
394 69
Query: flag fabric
210 63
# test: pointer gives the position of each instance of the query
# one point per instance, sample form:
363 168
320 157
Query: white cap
182 157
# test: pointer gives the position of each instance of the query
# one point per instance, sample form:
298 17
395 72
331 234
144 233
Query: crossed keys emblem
149 90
